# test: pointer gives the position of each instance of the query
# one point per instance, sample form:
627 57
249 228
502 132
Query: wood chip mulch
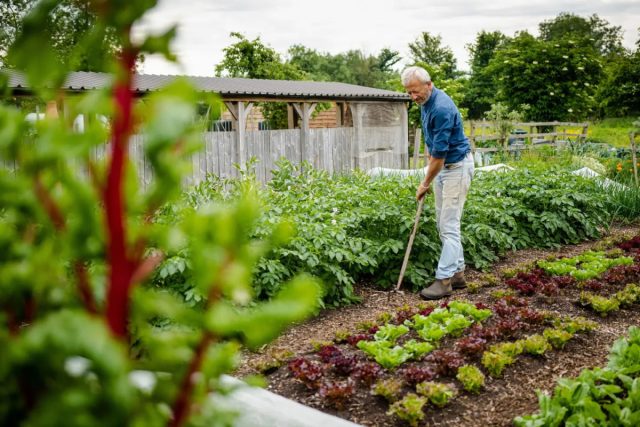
502 399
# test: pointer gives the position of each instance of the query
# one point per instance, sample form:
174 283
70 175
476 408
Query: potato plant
355 227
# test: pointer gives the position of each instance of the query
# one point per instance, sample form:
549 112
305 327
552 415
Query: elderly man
450 169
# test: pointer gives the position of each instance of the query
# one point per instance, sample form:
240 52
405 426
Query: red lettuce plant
416 374
446 362
471 345
310 373
367 372
337 393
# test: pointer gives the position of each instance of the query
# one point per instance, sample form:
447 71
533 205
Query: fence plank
330 149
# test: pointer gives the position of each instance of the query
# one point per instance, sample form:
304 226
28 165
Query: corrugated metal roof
229 87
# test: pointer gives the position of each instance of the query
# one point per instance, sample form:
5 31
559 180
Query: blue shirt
442 128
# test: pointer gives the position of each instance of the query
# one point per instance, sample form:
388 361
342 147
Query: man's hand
422 191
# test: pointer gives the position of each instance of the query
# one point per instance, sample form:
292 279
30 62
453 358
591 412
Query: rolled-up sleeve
442 127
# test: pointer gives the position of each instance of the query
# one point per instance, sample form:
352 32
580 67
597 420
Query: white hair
414 73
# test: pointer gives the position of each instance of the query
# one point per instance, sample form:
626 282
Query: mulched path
502 399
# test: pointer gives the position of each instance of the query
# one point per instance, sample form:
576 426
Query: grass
614 131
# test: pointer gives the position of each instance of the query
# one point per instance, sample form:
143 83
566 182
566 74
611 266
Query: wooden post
339 114
472 135
304 110
290 117
52 110
239 111
633 157
583 137
531 130
404 147
357 111
554 135
416 147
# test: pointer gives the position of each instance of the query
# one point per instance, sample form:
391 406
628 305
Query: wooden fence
336 150
481 133
556 133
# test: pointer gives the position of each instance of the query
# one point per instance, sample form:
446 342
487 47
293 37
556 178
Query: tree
503 120
556 79
619 91
480 91
594 31
428 49
252 59
67 27
353 66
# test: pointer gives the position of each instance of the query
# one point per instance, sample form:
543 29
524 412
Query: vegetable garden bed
526 301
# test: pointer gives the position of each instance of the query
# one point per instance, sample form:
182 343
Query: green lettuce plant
471 377
587 265
536 345
409 409
390 389
600 396
601 305
439 394
390 332
557 337
495 363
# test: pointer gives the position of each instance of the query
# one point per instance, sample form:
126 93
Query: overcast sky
339 25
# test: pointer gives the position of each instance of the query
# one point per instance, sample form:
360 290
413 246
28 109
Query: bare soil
502 399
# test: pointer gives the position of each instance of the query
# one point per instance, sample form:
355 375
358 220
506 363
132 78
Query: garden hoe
408 252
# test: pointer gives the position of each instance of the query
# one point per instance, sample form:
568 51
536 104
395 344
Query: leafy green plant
511 349
624 356
453 320
489 280
471 377
86 338
409 409
351 227
585 266
557 337
368 324
384 317
495 363
417 348
385 353
502 293
576 325
536 345
439 394
390 389
341 335
275 359
606 396
317 345
469 310
601 305
629 295
473 287
390 332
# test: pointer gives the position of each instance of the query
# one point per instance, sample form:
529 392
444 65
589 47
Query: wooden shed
371 125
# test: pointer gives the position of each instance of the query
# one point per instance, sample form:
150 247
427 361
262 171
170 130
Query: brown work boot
440 288
457 281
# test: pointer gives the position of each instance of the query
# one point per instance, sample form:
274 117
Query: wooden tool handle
410 244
